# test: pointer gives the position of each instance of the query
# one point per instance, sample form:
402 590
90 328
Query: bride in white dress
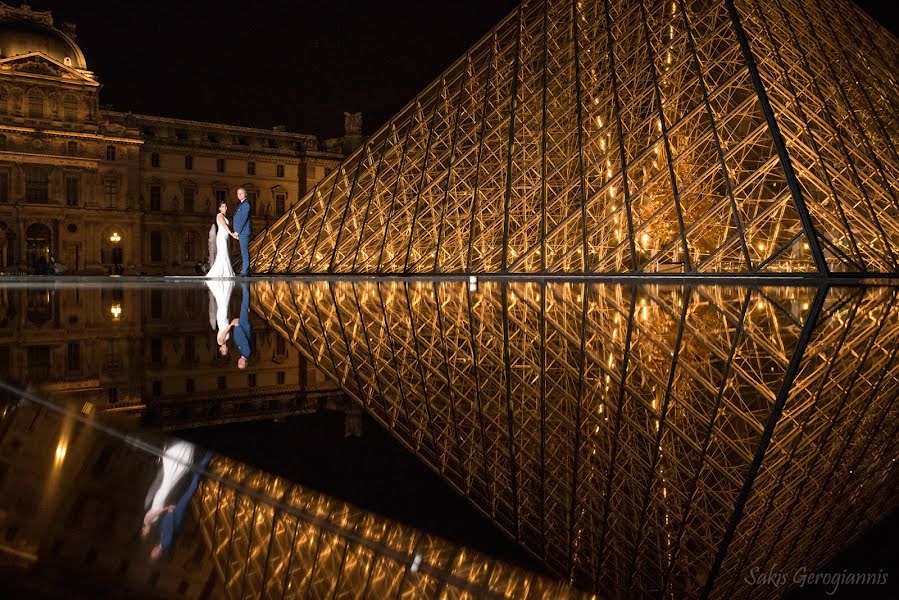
222 265
176 460
220 292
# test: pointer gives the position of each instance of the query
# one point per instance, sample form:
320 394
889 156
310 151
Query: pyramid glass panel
620 137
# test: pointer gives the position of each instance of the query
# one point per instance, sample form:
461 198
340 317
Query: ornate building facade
100 190
138 352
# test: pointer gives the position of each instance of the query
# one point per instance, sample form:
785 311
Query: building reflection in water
639 439
235 532
152 352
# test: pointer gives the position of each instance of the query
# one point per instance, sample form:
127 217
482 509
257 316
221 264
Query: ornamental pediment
37 63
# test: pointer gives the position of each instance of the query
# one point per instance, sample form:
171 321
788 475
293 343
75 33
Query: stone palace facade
101 190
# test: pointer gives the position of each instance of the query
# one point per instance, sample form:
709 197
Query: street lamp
115 238
116 311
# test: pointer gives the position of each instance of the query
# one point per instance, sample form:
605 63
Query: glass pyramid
615 137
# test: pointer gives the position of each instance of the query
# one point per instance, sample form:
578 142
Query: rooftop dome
23 30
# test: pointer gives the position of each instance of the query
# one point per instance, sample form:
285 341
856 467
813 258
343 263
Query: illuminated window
220 165
188 162
154 159
279 170
110 152
251 168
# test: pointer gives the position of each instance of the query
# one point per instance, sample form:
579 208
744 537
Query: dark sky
298 63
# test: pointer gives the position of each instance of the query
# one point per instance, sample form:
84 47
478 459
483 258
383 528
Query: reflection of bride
219 297
221 267
176 460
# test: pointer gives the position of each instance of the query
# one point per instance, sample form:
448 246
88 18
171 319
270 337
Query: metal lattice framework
273 539
641 440
627 136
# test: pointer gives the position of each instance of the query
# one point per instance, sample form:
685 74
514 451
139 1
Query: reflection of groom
243 230
242 330
174 514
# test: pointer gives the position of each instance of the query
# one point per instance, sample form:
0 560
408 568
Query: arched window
37 243
36 104
70 107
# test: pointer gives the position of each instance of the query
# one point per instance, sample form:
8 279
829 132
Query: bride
222 265
219 297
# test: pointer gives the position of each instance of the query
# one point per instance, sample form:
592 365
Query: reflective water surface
643 440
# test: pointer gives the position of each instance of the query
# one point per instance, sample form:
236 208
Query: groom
243 334
243 230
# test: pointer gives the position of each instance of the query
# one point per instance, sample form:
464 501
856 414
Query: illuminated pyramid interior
619 136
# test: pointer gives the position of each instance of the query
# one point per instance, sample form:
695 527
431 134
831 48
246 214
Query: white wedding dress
222 265
176 461
221 295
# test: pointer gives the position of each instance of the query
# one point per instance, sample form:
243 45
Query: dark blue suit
171 521
244 230
243 331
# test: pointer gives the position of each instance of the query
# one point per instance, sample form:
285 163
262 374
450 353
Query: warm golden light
116 311
60 456
656 355
115 238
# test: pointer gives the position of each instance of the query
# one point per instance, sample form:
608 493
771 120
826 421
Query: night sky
301 64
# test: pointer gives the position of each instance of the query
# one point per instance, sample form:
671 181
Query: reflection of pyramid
614 136
645 441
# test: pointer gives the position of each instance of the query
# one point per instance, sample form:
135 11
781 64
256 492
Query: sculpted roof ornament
352 123
24 13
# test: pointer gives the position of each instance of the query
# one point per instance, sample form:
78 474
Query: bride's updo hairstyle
218 206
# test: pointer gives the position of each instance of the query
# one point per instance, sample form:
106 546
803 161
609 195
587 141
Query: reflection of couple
174 465
221 262
219 297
